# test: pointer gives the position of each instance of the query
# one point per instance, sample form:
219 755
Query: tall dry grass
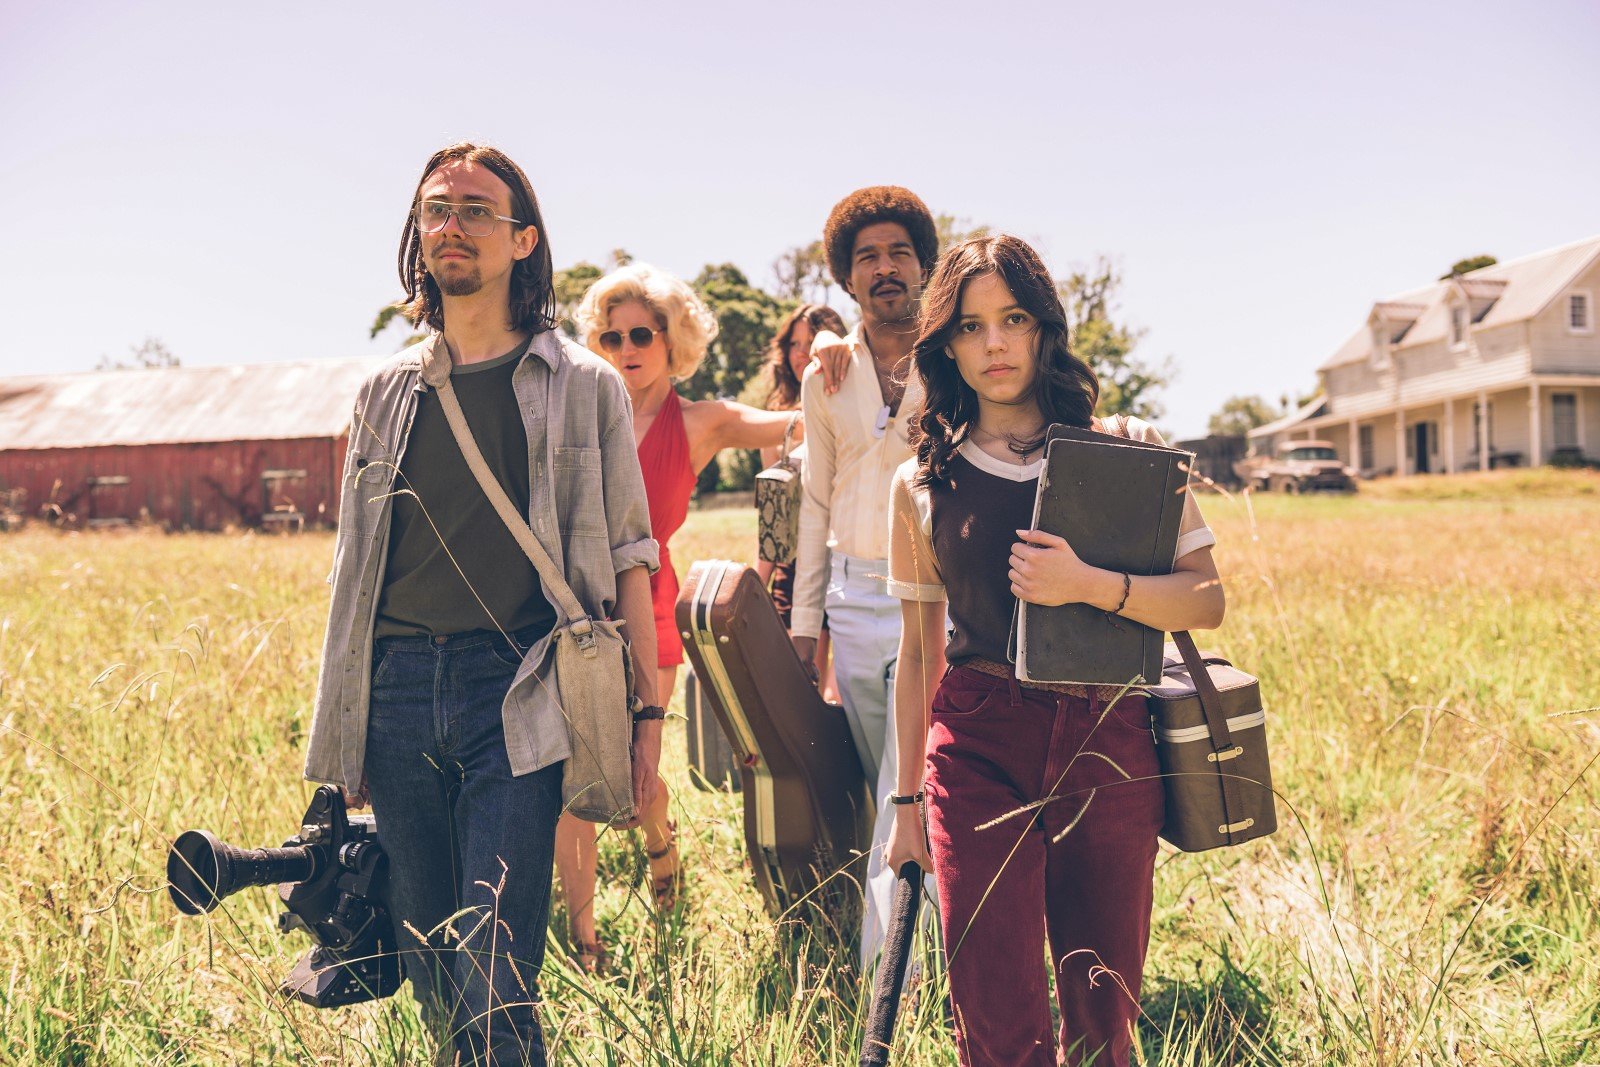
1426 649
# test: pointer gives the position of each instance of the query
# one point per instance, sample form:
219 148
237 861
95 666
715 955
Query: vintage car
1299 467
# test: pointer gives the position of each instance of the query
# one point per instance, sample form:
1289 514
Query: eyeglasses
476 220
641 336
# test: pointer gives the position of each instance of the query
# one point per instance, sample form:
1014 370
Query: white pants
865 623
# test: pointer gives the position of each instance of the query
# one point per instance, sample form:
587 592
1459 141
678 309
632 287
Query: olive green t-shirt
453 566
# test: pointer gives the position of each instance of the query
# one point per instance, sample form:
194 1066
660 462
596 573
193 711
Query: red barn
188 448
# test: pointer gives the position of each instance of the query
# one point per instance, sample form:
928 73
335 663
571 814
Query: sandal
591 958
668 885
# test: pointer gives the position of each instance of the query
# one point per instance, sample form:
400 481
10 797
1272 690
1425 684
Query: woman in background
787 360
655 330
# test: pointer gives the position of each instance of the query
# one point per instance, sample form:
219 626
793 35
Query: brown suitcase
1211 739
808 808
712 764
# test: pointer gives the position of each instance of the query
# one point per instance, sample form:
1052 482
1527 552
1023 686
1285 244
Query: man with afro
881 244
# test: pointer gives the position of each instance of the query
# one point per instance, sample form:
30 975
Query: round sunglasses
641 336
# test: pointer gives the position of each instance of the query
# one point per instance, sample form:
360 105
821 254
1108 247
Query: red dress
668 482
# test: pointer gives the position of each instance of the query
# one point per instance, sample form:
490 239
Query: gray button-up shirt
586 505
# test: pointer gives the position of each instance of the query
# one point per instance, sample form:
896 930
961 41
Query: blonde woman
655 330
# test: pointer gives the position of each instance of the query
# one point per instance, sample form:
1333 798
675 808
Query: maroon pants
1079 866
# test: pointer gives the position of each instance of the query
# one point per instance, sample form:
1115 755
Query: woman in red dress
655 331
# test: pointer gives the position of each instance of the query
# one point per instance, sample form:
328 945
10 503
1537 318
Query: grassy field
1428 655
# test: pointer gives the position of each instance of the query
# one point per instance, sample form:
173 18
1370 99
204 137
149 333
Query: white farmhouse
1496 367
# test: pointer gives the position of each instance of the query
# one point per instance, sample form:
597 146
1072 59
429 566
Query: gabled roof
1310 409
1520 289
181 405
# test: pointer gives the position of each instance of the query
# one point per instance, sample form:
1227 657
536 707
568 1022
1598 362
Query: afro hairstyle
878 203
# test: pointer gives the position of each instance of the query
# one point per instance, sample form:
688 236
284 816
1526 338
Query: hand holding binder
1119 503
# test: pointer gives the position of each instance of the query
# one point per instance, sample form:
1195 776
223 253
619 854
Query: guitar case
808 808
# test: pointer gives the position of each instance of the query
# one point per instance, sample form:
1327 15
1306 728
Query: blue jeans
470 846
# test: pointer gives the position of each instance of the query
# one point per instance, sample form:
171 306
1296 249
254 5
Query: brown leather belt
1005 670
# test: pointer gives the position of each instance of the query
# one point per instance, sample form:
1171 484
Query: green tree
570 285
747 317
388 314
149 353
1238 415
1128 384
952 231
1472 263
802 274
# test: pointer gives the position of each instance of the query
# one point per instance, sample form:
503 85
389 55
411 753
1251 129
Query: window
1380 349
1458 326
1564 419
1364 439
1580 313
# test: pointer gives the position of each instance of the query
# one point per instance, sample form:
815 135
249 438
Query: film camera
332 878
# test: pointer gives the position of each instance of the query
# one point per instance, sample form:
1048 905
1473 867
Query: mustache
887 285
462 249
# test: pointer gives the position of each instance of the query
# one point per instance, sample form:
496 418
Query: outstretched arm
734 425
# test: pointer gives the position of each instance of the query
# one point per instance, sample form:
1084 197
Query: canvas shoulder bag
593 668
778 503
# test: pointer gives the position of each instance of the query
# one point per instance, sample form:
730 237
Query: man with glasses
881 244
432 697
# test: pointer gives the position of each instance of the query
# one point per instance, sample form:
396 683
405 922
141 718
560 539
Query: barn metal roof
181 405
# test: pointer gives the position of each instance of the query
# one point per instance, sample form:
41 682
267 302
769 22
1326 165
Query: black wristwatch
650 713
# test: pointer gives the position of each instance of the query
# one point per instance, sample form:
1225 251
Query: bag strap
1222 746
554 581
1206 690
788 436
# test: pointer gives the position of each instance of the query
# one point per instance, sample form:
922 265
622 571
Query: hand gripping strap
555 583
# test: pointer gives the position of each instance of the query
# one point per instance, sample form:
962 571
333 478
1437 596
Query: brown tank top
975 517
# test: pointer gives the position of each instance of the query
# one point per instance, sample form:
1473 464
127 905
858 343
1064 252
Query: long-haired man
433 697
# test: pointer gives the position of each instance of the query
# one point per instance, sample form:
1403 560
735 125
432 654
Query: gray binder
1119 504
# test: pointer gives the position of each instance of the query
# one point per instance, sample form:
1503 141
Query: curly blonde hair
689 325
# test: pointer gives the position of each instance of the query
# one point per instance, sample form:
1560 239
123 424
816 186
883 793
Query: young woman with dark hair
790 352
788 357
1042 801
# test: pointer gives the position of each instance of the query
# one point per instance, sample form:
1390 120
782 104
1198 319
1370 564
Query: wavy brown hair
1065 387
533 292
785 386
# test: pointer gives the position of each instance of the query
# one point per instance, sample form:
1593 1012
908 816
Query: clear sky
233 181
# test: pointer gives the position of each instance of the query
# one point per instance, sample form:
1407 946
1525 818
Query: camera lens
202 871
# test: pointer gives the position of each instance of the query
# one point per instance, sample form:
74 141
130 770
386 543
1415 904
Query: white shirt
853 447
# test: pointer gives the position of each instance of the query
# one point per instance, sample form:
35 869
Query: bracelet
650 713
1127 587
914 798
